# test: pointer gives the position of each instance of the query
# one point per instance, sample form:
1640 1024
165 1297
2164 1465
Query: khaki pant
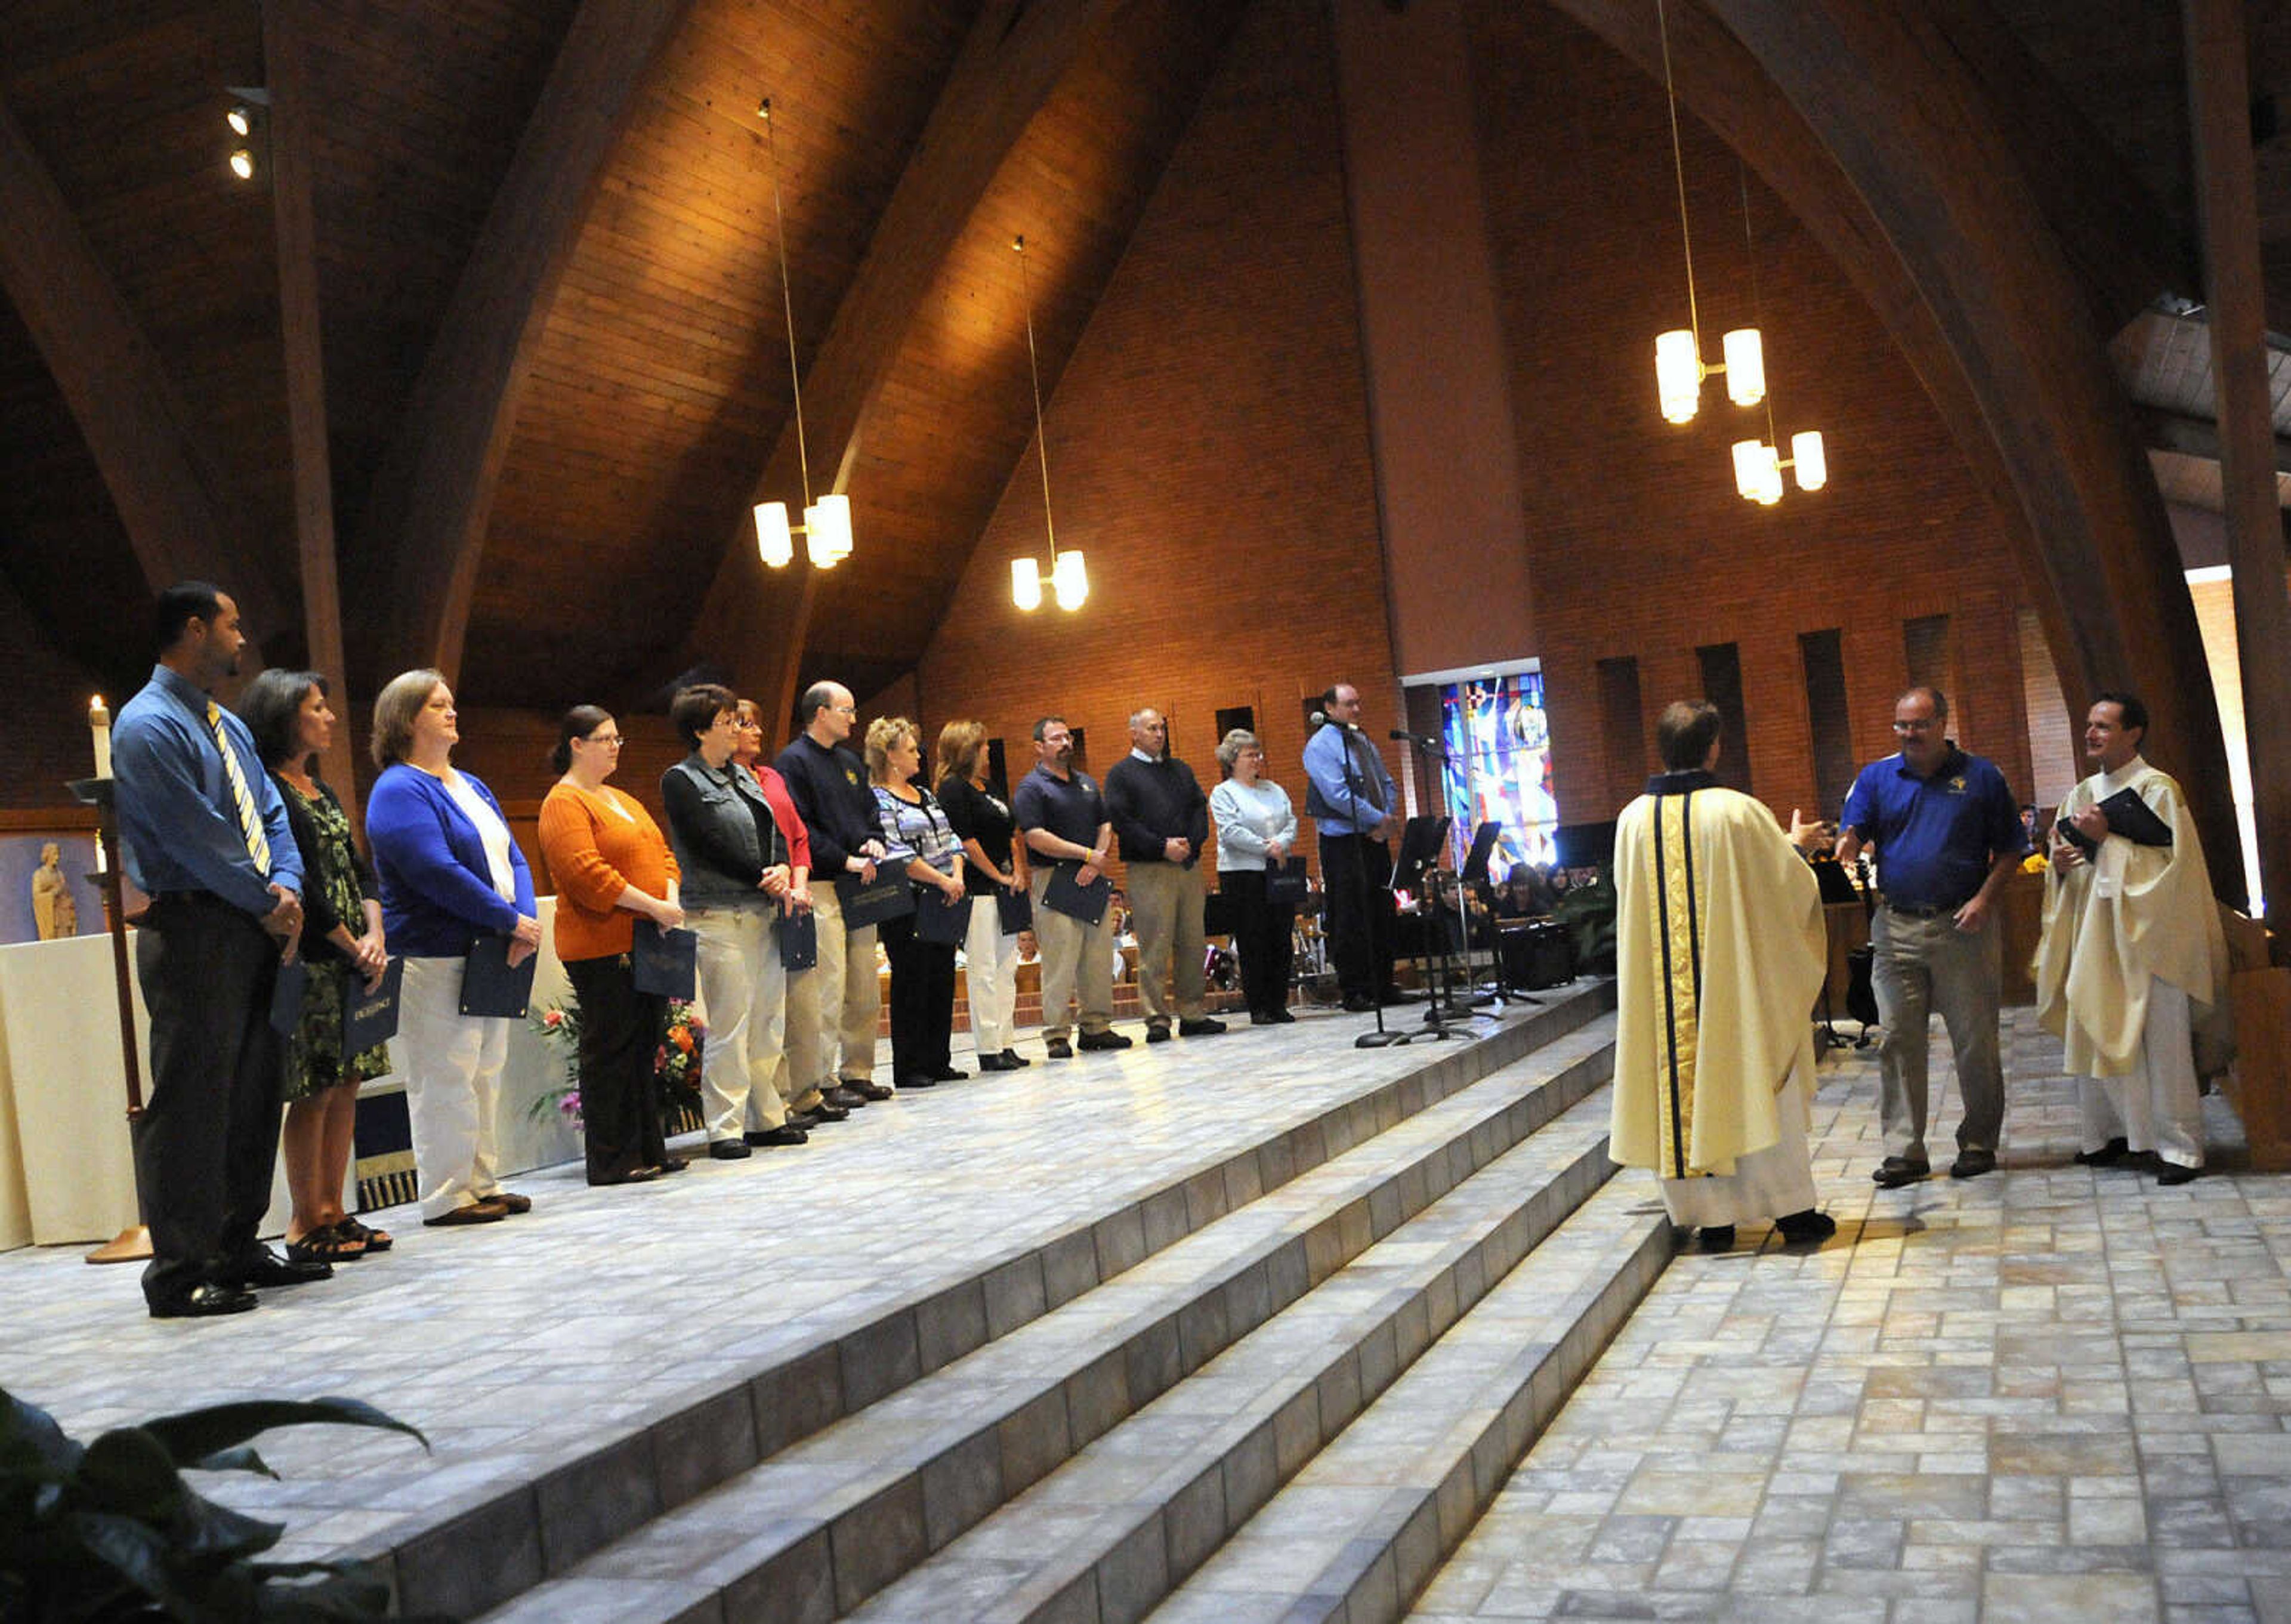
1919 967
744 993
850 996
1073 951
1165 909
801 1070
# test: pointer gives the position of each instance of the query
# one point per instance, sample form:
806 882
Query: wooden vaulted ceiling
648 400
654 387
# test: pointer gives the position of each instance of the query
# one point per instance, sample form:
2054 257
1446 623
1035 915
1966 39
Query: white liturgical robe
2132 972
1719 952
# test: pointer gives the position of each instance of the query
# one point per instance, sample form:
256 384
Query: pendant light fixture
1067 579
826 527
1678 368
1758 464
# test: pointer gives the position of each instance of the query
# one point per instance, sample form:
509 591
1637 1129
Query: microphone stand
1379 1038
1442 1007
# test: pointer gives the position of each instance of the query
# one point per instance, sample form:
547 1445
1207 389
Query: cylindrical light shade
1812 464
1678 375
1070 580
827 531
772 540
1770 477
1750 468
1025 584
1746 367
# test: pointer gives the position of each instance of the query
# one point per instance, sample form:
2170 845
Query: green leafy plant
109 1531
1588 913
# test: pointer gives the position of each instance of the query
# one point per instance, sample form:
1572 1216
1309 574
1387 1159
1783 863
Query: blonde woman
449 874
921 840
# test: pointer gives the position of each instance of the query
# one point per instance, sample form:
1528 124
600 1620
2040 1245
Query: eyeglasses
1923 727
845 710
611 741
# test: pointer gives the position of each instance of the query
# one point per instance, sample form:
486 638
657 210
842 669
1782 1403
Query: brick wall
1208 454
1638 544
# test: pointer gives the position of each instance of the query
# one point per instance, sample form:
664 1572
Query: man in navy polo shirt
1948 833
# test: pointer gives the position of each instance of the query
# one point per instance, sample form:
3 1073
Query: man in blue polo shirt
1948 832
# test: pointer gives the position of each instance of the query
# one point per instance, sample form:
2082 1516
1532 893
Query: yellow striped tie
250 821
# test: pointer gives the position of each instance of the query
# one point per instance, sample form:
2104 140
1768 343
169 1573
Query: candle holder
134 1244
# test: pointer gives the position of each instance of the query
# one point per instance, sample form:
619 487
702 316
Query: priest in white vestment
2132 973
1719 954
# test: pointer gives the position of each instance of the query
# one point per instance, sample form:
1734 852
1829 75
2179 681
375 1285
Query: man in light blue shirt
1353 807
206 836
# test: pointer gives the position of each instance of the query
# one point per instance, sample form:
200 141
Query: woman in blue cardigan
449 874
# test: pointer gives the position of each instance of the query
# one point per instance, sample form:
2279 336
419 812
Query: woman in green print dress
341 944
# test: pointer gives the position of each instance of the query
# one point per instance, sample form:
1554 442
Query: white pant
1766 1184
2156 1105
850 995
453 1086
744 991
990 976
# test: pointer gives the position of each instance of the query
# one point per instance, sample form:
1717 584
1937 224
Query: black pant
922 999
1357 877
1261 936
206 1145
620 1036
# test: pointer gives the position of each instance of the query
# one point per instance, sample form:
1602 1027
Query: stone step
484 1552
1102 1540
852 1507
1356 1535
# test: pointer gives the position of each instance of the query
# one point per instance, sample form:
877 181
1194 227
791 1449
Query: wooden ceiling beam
753 622
422 535
285 26
1887 91
2195 437
172 498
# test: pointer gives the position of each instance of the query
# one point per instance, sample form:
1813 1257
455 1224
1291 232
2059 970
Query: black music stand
1417 871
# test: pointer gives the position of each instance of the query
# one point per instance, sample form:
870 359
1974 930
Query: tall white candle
98 723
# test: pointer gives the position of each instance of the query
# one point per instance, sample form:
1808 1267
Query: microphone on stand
1319 718
1405 736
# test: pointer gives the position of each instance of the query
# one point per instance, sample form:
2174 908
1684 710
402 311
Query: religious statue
53 912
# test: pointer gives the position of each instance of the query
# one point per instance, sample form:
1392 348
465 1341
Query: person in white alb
2131 971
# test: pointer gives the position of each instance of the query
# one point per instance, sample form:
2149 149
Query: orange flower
681 1038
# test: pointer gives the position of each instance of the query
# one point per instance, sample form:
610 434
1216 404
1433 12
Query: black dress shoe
1797 1228
843 1099
1895 1171
1102 1040
1259 1017
828 1111
947 1074
2172 1172
1204 1028
1057 1048
1016 1061
2107 1155
1718 1237
729 1150
264 1267
1157 1035
1358 1003
511 1201
1391 996
866 1089
672 1164
1281 1015
786 1133
994 1063
1972 1163
919 1080
642 1175
202 1303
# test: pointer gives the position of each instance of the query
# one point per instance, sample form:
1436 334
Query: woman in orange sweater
611 865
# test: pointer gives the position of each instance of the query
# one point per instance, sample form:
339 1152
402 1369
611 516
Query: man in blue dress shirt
205 835
1355 810
1948 833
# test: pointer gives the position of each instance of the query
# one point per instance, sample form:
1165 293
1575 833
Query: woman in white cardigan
1254 823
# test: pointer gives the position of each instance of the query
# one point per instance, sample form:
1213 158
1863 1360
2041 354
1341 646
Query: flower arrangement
560 1027
676 1062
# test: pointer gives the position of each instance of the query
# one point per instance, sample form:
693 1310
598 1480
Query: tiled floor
2049 1394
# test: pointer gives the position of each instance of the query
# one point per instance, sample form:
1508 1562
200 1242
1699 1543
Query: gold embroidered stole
1677 945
